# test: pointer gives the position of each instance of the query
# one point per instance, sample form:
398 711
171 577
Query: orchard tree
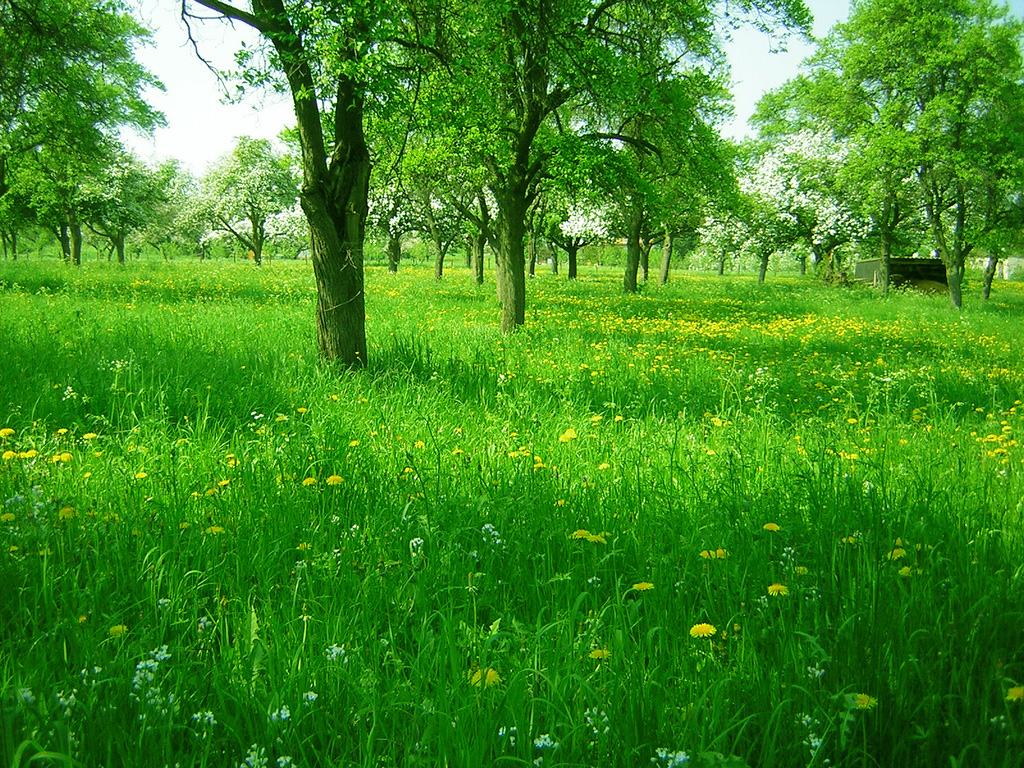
69 79
576 222
246 190
527 71
121 199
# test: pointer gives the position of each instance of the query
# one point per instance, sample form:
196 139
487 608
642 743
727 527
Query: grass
216 552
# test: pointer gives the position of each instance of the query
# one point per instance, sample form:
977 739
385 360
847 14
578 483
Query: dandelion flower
863 701
778 590
603 466
771 527
118 630
568 436
1016 693
7 517
334 480
214 530
8 455
848 540
309 481
703 630
141 475
304 546
596 538
582 533
601 654
643 586
6 432
89 436
483 678
714 554
897 553
800 570
905 570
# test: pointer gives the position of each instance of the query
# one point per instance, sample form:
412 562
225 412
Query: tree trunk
533 256
666 257
554 260
438 264
511 261
803 265
75 230
645 260
629 282
721 263
955 278
991 266
394 253
119 247
573 259
479 243
765 258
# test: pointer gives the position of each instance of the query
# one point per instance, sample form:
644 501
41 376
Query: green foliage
486 546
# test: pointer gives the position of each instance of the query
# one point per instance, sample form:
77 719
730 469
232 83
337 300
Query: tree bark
721 263
666 257
511 264
75 231
479 243
119 247
394 253
533 255
763 271
991 266
554 261
629 282
645 260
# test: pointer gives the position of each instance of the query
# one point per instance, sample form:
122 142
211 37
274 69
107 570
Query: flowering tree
800 177
245 191
573 225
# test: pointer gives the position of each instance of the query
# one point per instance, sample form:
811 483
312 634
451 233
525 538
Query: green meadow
714 524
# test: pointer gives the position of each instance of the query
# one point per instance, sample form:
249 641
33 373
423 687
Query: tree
75 82
121 199
245 190
930 90
526 72
576 224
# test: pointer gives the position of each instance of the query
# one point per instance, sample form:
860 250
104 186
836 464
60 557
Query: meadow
714 524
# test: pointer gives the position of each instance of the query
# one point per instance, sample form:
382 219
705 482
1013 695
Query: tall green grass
217 552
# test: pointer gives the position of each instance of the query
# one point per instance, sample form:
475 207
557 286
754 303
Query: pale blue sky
201 127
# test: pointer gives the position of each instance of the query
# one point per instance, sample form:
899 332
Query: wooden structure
913 272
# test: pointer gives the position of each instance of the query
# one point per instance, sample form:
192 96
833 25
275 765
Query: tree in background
246 191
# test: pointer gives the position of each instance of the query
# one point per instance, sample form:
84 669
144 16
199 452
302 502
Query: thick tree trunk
533 256
629 282
75 231
645 260
511 266
763 271
991 266
438 264
394 253
554 260
118 240
666 257
955 278
721 263
573 258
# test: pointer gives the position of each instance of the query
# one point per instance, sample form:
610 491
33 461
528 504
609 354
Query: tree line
499 124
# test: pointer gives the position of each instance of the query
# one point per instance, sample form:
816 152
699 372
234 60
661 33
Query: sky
202 126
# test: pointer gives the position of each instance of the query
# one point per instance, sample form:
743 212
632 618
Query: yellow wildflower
643 586
771 527
863 701
581 533
778 590
483 678
703 630
141 475
601 654
568 436
335 480
6 432
309 481
118 630
1016 693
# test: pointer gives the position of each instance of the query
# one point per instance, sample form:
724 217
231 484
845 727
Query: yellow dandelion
309 481
89 436
334 480
771 527
223 483
483 678
603 466
778 590
65 457
304 546
601 654
82 619
1016 693
800 570
848 540
703 630
897 553
581 533
141 475
301 410
863 701
8 455
7 517
643 586
419 444
568 436
6 432
118 630
353 443
66 513
596 538
183 525
214 530
905 571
